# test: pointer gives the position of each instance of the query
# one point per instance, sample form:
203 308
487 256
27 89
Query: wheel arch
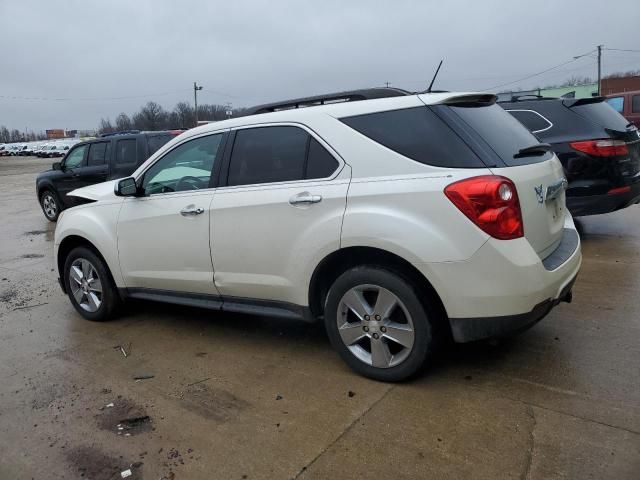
66 246
339 261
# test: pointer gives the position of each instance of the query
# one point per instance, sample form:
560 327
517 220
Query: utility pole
600 69
195 99
386 84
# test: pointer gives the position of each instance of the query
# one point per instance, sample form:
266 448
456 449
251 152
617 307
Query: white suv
400 219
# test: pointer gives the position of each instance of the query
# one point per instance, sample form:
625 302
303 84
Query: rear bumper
505 286
472 329
597 204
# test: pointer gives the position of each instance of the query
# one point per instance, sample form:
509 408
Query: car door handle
305 198
191 211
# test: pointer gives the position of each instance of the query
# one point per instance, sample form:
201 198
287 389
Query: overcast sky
71 62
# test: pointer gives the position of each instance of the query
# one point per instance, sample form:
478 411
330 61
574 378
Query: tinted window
98 153
530 119
416 133
635 104
156 141
602 114
503 133
320 163
186 167
75 157
126 151
617 103
268 154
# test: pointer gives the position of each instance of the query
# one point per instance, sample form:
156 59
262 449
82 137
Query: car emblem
539 194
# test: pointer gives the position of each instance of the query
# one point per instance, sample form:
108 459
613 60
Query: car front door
163 234
277 212
69 179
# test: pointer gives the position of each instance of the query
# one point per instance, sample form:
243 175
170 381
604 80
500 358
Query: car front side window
75 157
189 166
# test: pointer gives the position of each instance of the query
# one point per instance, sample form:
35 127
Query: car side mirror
57 165
126 187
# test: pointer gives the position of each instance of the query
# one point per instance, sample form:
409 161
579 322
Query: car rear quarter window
320 163
267 155
505 135
98 153
532 120
635 104
416 133
126 152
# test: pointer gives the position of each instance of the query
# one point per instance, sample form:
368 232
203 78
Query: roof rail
349 96
123 132
524 98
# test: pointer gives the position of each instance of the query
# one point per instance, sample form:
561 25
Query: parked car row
57 148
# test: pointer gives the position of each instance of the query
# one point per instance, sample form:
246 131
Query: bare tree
182 115
106 126
151 117
15 136
5 136
123 122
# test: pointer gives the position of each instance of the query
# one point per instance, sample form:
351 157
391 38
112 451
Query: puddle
93 464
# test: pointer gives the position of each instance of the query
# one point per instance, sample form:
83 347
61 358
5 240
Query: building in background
620 84
55 133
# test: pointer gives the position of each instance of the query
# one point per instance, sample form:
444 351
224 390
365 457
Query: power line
67 99
623 50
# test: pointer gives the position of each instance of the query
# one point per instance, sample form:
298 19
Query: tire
50 205
94 301
377 352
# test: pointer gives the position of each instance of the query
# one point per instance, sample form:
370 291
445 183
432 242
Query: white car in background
399 220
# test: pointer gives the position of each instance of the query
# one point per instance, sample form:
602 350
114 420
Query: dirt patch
93 464
35 232
8 295
124 418
32 255
212 403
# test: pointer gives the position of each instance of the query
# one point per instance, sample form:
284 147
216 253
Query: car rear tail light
619 190
601 148
491 202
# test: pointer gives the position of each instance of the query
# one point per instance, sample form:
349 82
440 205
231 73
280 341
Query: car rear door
277 213
125 158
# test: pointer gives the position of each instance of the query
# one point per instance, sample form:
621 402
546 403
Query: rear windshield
503 134
603 114
156 141
416 133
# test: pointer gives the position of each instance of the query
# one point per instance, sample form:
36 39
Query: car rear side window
126 152
268 154
532 120
505 135
156 141
617 103
98 153
416 133
635 104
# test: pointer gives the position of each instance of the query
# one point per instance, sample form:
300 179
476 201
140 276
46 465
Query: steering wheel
189 183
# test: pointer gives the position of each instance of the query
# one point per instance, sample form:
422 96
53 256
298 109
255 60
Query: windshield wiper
538 149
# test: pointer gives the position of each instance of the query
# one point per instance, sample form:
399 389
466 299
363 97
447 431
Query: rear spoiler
575 102
471 100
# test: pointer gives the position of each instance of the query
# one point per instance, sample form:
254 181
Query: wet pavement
238 397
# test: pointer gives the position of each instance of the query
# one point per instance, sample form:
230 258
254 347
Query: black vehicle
599 149
106 158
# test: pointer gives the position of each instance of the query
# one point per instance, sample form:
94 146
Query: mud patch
35 232
32 255
124 418
92 463
8 295
211 403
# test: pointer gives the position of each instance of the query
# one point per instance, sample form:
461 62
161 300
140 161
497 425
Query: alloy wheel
85 285
49 205
375 325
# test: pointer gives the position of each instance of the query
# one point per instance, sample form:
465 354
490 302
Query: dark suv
111 156
599 149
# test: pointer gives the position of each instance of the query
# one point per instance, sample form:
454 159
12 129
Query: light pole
195 99
600 69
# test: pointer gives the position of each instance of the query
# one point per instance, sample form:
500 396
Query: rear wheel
378 325
50 205
89 285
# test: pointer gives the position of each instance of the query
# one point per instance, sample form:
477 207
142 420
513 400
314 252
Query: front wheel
378 324
50 205
89 285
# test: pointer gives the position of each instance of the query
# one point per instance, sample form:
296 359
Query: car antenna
428 90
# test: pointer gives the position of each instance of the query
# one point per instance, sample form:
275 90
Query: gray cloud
246 52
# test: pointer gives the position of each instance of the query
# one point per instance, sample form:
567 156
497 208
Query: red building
618 85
